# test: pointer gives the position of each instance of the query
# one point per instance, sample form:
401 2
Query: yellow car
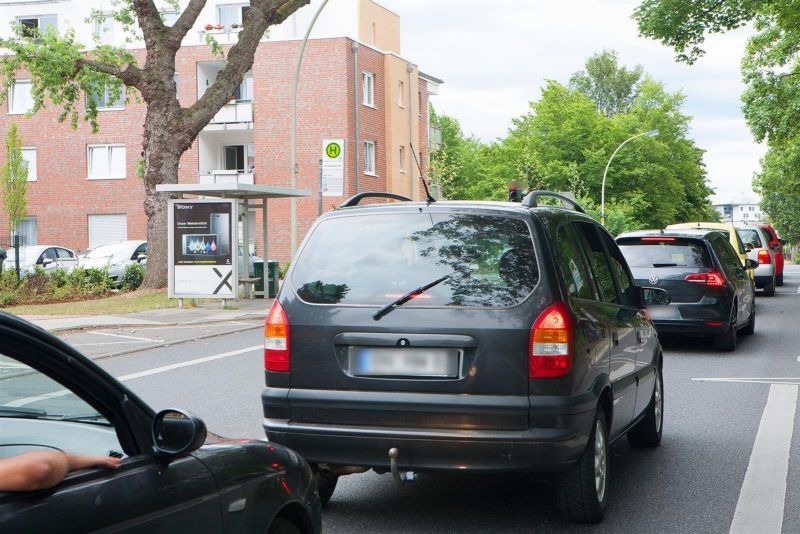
728 230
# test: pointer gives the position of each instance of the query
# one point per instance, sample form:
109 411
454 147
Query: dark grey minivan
463 336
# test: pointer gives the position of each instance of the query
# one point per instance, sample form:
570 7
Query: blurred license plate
664 312
390 361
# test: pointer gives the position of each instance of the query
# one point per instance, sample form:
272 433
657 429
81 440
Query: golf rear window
377 258
653 252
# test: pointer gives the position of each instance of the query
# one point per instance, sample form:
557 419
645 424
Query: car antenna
429 198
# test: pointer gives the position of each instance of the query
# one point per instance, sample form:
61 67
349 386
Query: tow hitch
399 476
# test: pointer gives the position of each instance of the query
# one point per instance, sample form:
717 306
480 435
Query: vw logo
653 279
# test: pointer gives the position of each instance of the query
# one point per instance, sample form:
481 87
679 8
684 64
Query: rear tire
583 490
779 280
647 432
727 341
769 289
326 484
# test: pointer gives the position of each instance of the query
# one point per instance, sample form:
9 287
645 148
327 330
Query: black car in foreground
464 337
711 293
171 478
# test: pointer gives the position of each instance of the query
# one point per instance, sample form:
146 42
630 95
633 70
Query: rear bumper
555 439
692 328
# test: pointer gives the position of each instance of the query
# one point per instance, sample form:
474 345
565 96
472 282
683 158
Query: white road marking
105 343
798 289
128 337
761 499
140 374
778 380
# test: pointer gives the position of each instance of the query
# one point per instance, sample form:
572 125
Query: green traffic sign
333 150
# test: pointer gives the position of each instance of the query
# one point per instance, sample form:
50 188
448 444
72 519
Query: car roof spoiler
530 200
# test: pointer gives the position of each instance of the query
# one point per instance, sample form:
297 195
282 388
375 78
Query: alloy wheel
600 461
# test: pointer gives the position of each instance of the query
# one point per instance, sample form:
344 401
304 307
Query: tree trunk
162 154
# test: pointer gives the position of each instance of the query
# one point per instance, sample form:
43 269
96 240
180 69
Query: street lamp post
293 136
651 133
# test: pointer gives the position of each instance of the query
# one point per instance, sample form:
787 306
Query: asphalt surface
692 483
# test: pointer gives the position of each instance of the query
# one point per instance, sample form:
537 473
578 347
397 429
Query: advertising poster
332 167
201 246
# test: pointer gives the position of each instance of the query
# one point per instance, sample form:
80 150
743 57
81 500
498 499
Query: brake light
276 340
551 345
657 239
710 279
763 256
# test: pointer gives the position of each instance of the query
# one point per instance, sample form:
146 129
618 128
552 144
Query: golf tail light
551 343
710 279
276 340
763 257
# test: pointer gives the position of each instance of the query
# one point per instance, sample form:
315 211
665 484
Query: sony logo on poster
184 206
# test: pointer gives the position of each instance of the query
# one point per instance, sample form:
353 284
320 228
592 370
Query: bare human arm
45 469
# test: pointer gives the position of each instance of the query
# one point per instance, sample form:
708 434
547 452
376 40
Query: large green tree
14 180
62 70
612 87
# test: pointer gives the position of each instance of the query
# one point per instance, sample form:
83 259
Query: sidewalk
202 314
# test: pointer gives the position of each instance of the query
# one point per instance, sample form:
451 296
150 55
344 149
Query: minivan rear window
377 258
650 252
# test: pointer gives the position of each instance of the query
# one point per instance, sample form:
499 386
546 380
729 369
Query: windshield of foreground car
374 259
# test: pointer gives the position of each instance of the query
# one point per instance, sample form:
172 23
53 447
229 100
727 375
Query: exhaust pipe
399 476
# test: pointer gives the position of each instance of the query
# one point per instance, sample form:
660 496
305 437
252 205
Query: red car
776 245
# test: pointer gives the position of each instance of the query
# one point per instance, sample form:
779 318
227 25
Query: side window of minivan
572 264
618 263
598 262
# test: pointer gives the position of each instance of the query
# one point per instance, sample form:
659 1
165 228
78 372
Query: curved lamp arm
651 133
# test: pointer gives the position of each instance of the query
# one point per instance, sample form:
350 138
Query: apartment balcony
235 115
222 176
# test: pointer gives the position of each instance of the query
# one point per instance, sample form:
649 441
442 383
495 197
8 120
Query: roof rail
530 199
355 199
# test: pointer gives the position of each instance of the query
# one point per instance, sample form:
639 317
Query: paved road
697 481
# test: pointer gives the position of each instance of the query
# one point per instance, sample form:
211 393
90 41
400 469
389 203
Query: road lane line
128 337
102 343
763 493
124 378
165 368
754 380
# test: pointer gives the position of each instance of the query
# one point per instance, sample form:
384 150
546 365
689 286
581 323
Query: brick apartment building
354 85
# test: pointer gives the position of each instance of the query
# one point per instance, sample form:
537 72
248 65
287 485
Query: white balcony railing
227 177
234 112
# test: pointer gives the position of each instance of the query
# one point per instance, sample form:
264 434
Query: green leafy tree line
14 180
771 73
564 143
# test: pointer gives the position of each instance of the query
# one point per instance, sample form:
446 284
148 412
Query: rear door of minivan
453 356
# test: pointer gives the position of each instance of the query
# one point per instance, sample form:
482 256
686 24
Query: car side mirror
751 265
748 247
46 261
783 242
776 247
655 296
176 433
141 257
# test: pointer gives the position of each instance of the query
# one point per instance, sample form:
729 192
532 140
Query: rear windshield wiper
18 411
665 265
408 296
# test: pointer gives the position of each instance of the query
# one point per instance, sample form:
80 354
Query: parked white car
48 257
116 256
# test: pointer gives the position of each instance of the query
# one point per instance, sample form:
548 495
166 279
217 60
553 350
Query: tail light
710 279
276 340
551 344
763 257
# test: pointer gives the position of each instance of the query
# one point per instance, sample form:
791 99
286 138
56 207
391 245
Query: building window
400 91
369 157
36 24
29 157
228 15
27 232
105 99
103 30
244 91
368 89
239 158
106 162
402 158
21 100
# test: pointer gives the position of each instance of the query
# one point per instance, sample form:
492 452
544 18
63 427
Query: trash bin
273 277
258 272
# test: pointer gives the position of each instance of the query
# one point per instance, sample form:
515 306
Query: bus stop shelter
247 196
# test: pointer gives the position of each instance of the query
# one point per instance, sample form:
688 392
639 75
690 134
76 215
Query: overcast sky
494 56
